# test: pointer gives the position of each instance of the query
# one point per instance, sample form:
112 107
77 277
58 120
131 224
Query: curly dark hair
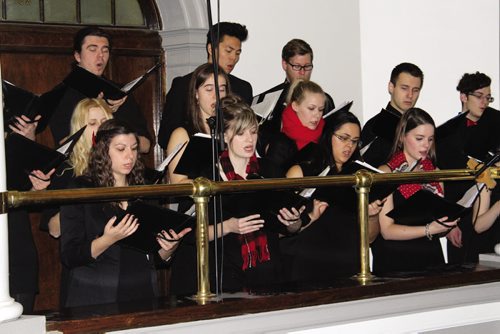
99 168
473 81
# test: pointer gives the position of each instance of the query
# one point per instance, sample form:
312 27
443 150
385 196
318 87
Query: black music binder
152 220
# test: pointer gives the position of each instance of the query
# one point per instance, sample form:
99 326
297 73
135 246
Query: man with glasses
377 135
231 35
473 133
297 62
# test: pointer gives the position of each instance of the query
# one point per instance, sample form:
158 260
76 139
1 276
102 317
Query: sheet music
342 105
127 87
169 158
365 148
470 195
64 148
370 167
307 193
264 108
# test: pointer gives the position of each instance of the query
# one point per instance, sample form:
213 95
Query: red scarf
398 163
253 245
293 128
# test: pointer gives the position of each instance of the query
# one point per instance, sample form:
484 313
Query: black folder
196 157
18 102
152 220
423 207
154 176
91 85
24 155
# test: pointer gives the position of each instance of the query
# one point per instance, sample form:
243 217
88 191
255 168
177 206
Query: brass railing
201 189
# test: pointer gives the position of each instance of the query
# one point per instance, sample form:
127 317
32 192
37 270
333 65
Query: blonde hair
79 157
299 88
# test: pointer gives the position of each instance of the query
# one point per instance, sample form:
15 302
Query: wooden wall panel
37 58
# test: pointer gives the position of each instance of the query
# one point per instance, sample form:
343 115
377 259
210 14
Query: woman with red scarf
302 123
401 247
251 258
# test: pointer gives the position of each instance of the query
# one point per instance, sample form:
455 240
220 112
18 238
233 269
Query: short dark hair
473 81
296 47
228 29
409 68
88 31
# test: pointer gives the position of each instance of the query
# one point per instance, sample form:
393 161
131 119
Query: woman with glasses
302 124
404 248
328 247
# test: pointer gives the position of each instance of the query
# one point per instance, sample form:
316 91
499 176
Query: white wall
445 38
330 27
358 42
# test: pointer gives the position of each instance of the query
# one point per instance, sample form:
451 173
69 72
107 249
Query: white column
9 309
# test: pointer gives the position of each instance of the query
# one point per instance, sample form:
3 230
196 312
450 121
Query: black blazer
176 104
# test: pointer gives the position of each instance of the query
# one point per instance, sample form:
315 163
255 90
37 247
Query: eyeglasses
479 96
298 68
346 140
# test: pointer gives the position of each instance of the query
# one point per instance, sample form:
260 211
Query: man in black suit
404 87
297 62
229 50
473 133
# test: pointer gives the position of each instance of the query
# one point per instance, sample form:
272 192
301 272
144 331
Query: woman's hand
455 237
318 208
170 241
25 127
113 104
39 180
127 226
245 225
291 219
441 225
375 207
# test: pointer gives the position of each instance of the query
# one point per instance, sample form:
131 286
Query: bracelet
428 232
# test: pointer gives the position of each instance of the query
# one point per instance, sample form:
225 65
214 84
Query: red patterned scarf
293 128
399 164
253 245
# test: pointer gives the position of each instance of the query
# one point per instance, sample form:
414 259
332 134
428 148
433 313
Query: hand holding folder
92 85
152 221
425 207
24 156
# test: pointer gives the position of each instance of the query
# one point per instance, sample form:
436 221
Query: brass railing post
202 192
363 184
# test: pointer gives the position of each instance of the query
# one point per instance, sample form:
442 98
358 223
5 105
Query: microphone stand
216 124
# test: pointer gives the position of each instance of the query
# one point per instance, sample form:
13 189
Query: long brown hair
195 123
99 169
411 119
